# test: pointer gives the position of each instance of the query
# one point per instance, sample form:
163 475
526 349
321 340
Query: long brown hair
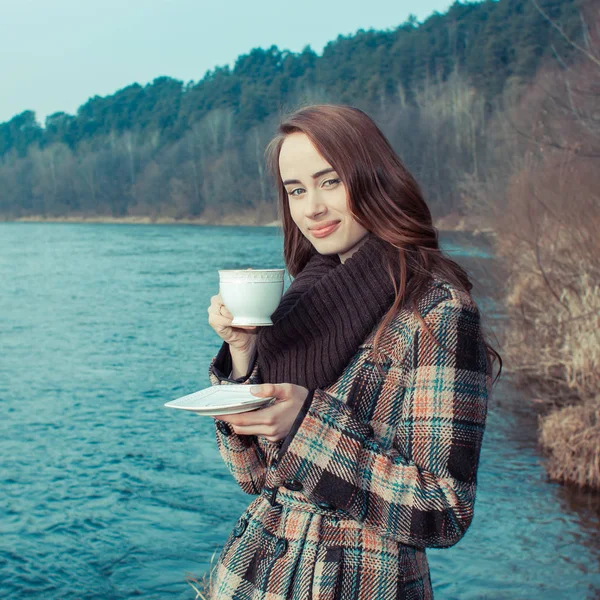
383 197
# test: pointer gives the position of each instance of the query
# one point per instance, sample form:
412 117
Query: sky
55 55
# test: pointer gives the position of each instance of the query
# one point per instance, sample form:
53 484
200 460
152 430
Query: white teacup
251 296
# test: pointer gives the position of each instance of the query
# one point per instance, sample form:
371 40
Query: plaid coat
381 466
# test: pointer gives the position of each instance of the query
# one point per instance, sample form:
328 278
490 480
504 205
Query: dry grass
549 238
555 339
571 437
548 234
553 291
199 586
203 586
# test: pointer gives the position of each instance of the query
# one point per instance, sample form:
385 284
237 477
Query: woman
381 374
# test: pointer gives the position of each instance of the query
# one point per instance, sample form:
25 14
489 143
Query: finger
218 306
225 312
219 321
268 432
223 331
252 418
271 390
224 418
214 309
219 327
263 391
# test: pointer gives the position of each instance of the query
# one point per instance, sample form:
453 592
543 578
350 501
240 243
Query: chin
328 246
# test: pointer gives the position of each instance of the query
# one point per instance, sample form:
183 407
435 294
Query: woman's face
318 199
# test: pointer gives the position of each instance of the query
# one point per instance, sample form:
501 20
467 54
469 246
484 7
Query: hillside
174 150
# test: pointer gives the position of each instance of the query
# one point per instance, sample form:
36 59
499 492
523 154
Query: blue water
104 493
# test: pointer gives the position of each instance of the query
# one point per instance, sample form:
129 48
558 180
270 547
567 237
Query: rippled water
104 493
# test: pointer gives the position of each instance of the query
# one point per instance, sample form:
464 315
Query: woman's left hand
275 421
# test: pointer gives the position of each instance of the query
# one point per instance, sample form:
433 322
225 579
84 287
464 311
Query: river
104 493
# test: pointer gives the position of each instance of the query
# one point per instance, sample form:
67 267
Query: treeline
183 150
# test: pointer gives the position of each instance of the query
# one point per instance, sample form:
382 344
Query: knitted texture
382 466
329 309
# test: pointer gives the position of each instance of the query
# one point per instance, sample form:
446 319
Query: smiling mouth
324 231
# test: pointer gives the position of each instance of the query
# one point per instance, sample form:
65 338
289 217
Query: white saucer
220 400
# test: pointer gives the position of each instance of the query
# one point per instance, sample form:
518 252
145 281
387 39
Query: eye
295 192
330 182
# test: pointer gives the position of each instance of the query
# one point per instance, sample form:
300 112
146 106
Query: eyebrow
314 176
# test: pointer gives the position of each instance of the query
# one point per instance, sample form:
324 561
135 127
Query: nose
314 207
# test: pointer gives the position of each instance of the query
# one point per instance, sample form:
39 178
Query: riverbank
551 338
451 222
226 220
570 438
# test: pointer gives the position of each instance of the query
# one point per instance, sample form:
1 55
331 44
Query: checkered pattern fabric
382 466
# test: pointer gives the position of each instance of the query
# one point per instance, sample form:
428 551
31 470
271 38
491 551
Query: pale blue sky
55 54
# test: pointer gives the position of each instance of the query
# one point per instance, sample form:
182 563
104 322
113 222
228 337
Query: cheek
295 213
357 229
339 201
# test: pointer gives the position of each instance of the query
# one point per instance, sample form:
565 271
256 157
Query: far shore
145 220
446 223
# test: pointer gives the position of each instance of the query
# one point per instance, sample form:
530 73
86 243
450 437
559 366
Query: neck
344 256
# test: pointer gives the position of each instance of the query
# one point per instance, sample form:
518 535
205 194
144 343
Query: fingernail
255 389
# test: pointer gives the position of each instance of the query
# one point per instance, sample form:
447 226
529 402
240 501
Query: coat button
223 427
240 527
325 505
281 548
292 484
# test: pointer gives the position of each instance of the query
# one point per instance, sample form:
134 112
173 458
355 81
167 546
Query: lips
325 229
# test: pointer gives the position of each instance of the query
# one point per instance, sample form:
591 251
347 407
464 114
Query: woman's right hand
243 339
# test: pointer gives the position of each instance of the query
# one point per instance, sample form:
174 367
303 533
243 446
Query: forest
185 150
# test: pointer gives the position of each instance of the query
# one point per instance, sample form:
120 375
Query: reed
549 240
203 585
570 438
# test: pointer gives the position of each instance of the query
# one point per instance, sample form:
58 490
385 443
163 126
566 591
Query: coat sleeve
421 491
246 456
